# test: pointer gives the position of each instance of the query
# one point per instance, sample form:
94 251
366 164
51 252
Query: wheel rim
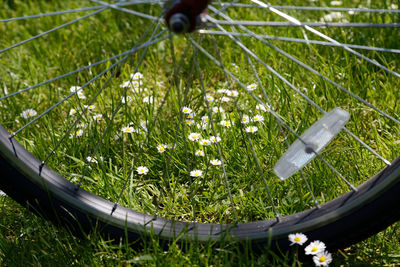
228 75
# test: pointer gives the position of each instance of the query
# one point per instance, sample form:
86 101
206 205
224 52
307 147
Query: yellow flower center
314 249
322 259
297 239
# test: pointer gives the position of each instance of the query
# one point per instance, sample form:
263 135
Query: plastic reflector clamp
314 139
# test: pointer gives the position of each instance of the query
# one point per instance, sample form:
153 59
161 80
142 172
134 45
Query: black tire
339 223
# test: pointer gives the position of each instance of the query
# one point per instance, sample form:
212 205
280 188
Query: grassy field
119 123
27 240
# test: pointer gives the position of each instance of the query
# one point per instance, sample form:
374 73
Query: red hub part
185 12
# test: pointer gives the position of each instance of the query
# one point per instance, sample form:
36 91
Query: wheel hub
182 15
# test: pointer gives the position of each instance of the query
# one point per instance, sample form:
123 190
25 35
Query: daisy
142 170
322 259
262 107
298 238
227 124
225 99
194 136
137 84
332 16
196 173
251 129
28 113
336 3
81 95
91 159
126 84
199 153
73 89
215 139
136 76
252 87
218 110
215 162
138 89
209 98
98 117
72 111
315 247
205 142
222 91
81 125
187 110
205 119
117 136
258 118
143 124
201 126
90 107
189 122
127 130
232 93
190 116
125 100
148 99
78 133
161 148
245 119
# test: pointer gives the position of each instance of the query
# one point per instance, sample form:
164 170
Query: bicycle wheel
178 135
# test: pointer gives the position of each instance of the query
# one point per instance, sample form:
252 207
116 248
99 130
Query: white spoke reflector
311 142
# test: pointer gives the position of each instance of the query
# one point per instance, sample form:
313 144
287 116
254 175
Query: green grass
27 240
168 189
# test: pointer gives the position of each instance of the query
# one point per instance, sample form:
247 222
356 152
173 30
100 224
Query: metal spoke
307 98
74 10
320 34
80 115
255 72
249 140
280 126
220 155
310 24
314 8
52 30
126 10
65 99
128 52
117 108
298 40
262 103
